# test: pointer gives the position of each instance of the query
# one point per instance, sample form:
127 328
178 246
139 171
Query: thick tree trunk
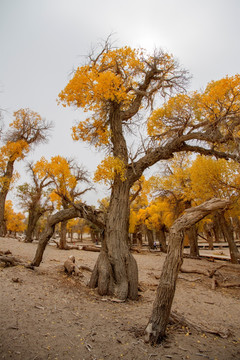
192 236
3 227
63 236
158 321
32 222
227 231
161 236
150 239
208 231
115 272
3 195
236 225
216 227
81 211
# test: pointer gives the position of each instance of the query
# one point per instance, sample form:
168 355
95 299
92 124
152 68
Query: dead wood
209 273
175 318
194 271
91 248
228 285
191 280
84 267
7 252
12 261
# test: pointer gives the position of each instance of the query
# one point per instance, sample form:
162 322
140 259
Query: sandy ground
45 314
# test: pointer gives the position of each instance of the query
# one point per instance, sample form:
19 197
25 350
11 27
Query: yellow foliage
157 214
58 169
109 168
23 118
10 152
170 116
133 221
212 178
112 79
14 221
219 103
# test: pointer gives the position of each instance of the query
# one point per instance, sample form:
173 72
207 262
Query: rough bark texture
227 231
150 239
158 321
3 195
3 227
63 236
161 236
192 236
115 272
32 222
79 210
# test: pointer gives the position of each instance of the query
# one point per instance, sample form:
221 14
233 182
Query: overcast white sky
41 41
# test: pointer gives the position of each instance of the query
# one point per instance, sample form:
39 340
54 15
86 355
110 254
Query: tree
158 321
14 221
65 175
34 199
158 217
174 186
26 130
218 178
115 86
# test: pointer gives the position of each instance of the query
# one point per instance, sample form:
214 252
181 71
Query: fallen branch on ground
175 318
91 248
12 261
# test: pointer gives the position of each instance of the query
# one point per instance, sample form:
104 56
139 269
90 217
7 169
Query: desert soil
46 314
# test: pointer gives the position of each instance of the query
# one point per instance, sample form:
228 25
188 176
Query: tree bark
3 195
115 272
150 239
192 236
161 236
3 227
32 222
63 236
158 321
227 231
79 210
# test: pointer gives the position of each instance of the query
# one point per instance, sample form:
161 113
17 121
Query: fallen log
194 271
227 285
209 273
91 248
12 261
175 318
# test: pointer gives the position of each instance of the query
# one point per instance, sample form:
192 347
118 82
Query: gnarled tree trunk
3 227
150 238
115 272
192 236
158 321
161 236
32 222
3 195
227 231
63 236
79 210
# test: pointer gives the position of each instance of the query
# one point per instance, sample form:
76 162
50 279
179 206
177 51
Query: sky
42 41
